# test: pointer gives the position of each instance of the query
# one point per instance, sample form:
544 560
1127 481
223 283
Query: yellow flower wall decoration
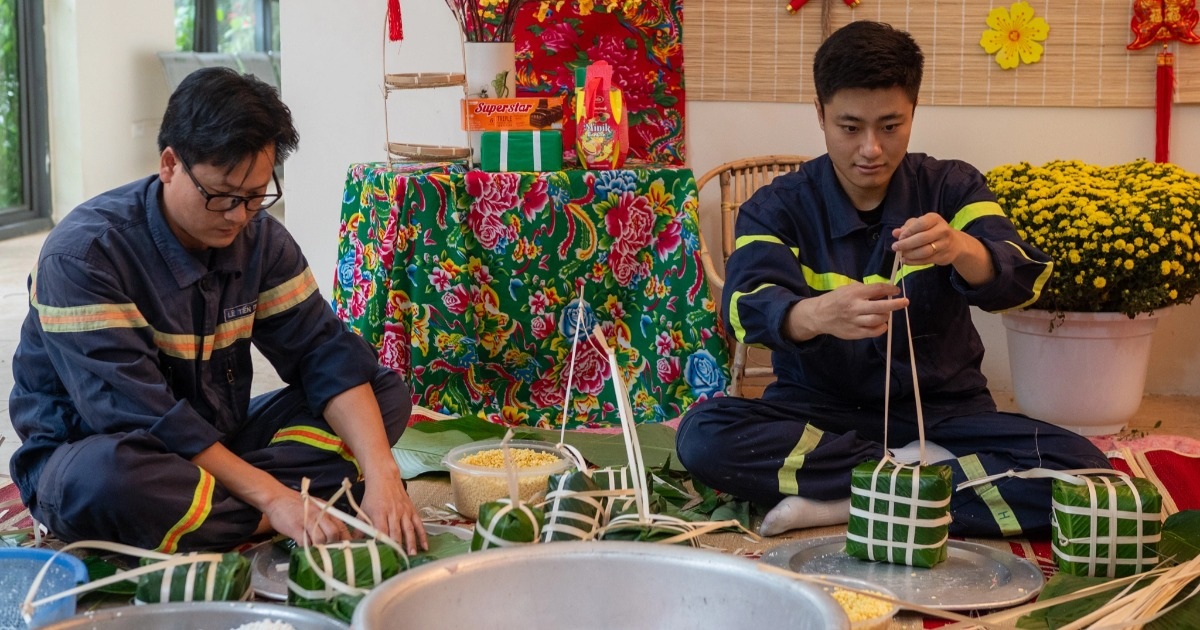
1014 35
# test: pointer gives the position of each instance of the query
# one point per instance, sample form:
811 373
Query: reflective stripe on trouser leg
196 514
795 459
1006 520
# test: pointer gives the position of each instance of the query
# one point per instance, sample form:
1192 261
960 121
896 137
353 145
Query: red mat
13 514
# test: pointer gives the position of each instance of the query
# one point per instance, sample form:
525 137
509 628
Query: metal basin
197 616
596 585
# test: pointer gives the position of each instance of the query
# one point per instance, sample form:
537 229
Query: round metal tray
597 586
973 577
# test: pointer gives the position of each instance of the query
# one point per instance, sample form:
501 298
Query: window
24 172
227 26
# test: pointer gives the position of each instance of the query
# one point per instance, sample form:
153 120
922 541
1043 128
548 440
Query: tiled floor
1158 414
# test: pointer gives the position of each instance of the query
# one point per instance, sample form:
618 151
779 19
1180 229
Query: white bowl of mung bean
478 474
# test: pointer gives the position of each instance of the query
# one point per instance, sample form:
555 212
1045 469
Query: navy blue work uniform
800 237
135 357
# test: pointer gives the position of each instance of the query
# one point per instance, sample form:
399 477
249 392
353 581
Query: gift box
502 151
1105 525
899 514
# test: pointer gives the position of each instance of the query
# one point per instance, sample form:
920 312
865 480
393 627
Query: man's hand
393 513
929 240
285 514
855 311
282 507
354 415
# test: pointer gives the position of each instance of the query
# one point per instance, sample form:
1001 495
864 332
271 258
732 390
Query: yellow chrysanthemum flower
1123 238
1014 35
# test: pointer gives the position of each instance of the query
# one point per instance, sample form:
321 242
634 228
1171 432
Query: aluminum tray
597 586
973 577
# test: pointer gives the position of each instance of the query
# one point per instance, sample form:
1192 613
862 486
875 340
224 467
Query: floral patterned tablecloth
468 284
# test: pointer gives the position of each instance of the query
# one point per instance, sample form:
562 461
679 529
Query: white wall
106 91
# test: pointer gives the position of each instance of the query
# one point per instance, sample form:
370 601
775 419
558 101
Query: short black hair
870 55
219 116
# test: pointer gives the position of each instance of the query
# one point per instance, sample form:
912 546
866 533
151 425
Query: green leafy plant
1123 238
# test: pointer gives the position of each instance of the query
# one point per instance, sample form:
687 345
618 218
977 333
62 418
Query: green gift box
899 514
1105 525
521 151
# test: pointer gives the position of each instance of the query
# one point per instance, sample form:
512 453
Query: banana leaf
677 493
307 589
440 546
570 518
99 567
421 448
1179 535
876 530
232 581
510 527
644 533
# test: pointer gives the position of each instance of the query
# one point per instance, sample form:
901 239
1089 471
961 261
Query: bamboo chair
739 180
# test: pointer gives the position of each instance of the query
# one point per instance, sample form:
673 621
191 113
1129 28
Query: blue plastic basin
18 568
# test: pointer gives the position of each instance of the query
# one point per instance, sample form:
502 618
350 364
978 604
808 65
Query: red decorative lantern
1163 20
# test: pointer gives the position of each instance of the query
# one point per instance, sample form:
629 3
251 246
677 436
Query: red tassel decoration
795 5
851 3
1164 95
395 26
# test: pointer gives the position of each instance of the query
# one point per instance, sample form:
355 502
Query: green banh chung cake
899 514
1105 525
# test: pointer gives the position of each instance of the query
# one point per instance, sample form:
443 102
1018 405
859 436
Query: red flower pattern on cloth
473 302
645 49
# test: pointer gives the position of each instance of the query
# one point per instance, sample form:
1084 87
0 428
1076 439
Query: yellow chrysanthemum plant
1123 238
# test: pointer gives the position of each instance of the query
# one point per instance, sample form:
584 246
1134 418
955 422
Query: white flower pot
1087 374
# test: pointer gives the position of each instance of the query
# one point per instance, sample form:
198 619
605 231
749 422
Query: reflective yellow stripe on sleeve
285 296
1039 283
972 211
68 319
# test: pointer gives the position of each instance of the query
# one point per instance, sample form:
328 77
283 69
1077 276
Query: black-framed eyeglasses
225 203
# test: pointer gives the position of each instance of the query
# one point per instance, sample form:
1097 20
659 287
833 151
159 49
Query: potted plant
1124 242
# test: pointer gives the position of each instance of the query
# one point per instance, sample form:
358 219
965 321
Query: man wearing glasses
133 371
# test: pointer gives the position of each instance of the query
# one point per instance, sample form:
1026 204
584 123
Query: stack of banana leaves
673 491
